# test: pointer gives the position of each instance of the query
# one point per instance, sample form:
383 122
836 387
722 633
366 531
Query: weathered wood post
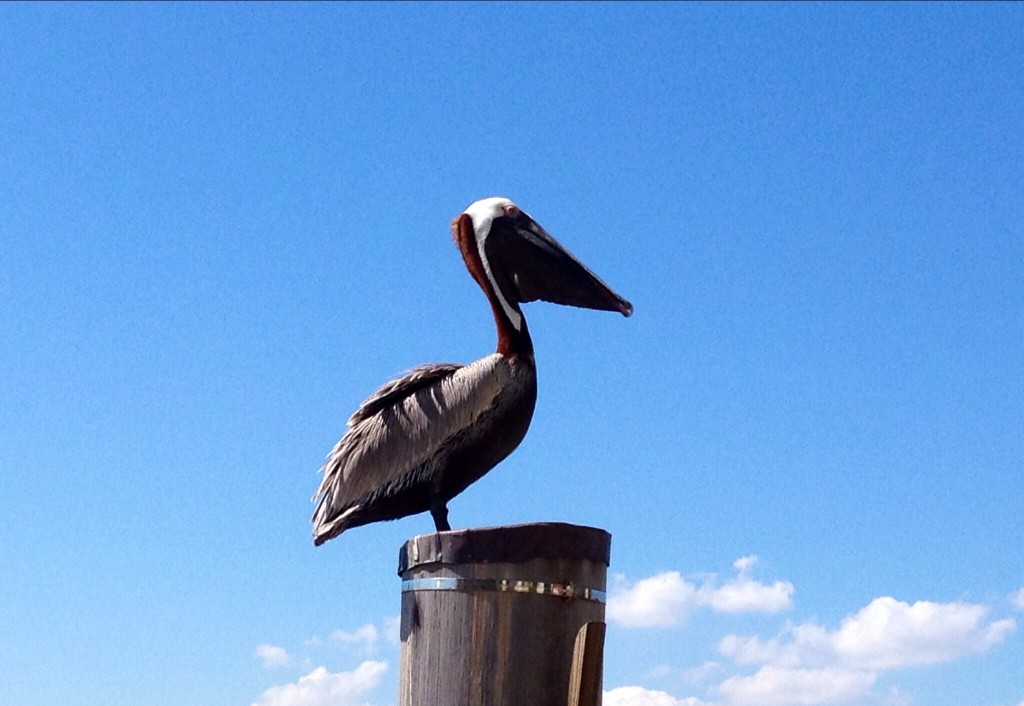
491 616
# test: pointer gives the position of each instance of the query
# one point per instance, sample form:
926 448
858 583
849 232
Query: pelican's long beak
540 268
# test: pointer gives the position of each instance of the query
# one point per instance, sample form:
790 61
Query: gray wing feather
402 425
393 391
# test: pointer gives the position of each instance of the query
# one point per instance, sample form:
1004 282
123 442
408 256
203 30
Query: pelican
423 438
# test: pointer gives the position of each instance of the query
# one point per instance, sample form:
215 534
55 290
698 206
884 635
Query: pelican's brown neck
513 337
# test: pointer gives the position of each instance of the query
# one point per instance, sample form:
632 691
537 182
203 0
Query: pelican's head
511 256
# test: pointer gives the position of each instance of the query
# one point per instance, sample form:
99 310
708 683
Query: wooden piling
491 616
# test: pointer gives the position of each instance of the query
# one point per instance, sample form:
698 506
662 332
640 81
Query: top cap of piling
510 543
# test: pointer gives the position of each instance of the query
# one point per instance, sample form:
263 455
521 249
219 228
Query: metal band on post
545 588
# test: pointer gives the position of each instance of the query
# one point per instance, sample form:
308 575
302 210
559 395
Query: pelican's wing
392 392
399 427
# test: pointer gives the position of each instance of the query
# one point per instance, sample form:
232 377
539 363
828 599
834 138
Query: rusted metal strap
545 588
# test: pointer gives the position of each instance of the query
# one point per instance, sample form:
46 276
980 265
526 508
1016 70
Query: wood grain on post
490 617
587 666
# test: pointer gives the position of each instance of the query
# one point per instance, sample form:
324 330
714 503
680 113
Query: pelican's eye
511 210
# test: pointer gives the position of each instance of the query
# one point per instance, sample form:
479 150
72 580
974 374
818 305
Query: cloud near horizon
781 686
273 656
808 664
666 599
886 634
638 696
323 688
366 638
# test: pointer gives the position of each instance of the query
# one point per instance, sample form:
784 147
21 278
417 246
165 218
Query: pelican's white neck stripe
483 213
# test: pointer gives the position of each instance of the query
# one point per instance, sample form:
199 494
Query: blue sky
221 227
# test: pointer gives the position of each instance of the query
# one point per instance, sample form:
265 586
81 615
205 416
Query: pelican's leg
439 511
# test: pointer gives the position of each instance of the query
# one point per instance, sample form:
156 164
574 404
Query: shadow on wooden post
503 616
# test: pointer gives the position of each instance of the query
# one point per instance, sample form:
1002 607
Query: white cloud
665 600
885 634
804 664
699 675
323 688
659 601
638 696
809 664
778 686
744 595
272 656
365 636
748 649
889 634
744 564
